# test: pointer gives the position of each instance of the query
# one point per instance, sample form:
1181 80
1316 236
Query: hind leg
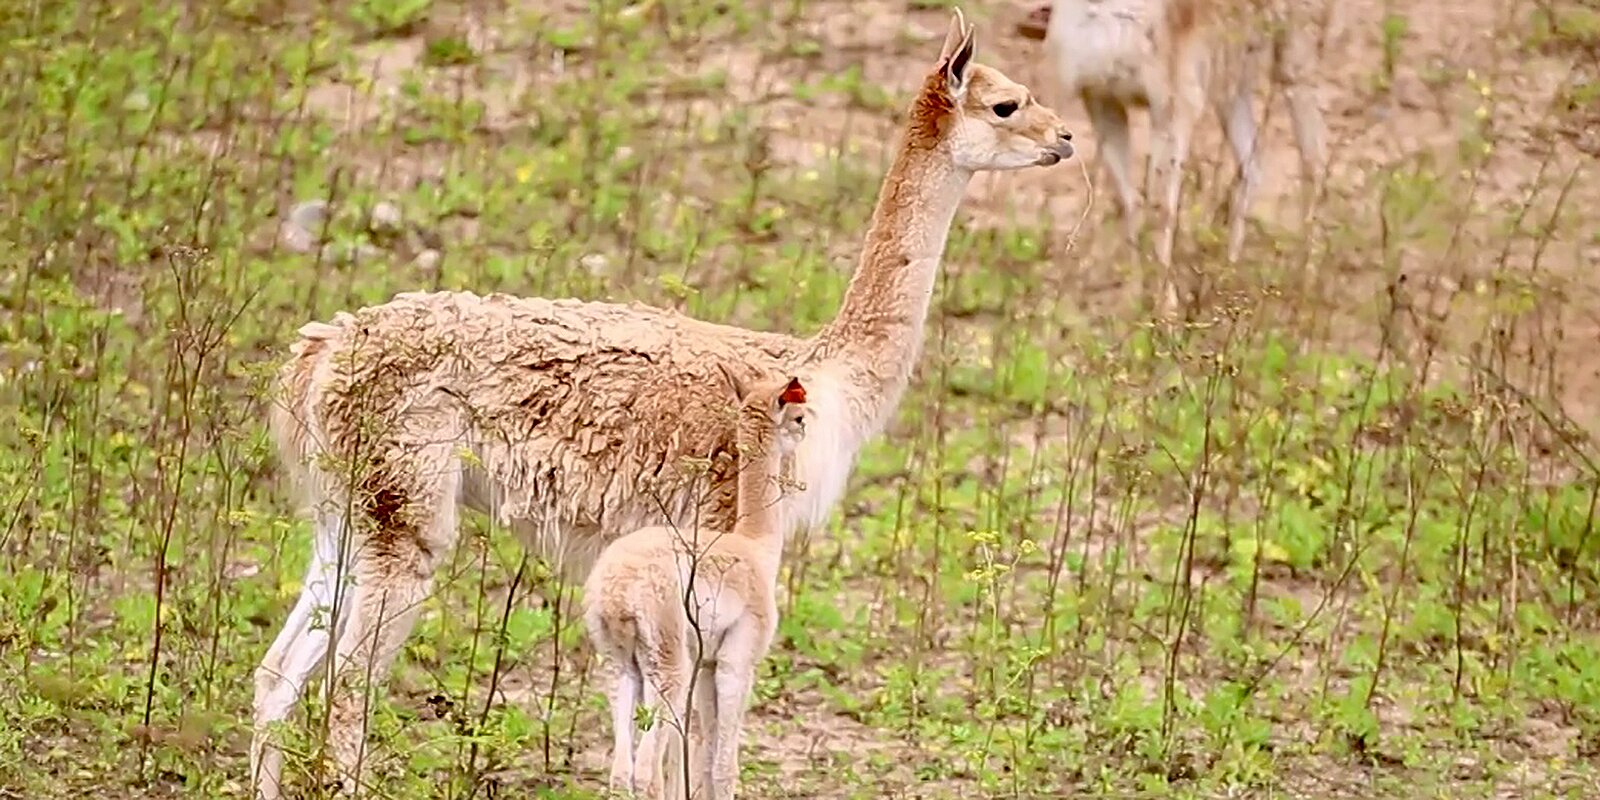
1237 115
1295 59
666 680
1172 122
624 701
1169 166
742 649
413 532
1110 119
703 729
296 653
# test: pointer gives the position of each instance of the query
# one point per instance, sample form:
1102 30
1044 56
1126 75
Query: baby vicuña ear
959 45
736 385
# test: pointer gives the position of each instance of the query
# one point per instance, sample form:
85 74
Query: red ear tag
793 392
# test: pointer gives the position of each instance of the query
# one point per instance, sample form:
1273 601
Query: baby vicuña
665 602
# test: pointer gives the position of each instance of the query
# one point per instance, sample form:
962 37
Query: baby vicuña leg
742 648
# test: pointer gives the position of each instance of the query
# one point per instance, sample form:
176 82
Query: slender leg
624 700
666 683
296 653
742 648
733 687
1110 119
1295 59
386 601
1307 121
1239 123
672 776
664 665
1172 126
704 729
1185 113
414 531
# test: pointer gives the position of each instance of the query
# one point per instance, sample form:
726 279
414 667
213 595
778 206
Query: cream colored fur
693 611
573 422
1175 57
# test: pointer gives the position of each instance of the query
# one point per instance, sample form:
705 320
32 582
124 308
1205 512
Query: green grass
1317 544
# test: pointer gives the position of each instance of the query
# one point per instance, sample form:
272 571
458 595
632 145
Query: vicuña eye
1005 109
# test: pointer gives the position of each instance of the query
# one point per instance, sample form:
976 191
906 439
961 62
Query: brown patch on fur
1183 17
930 112
390 509
384 506
721 502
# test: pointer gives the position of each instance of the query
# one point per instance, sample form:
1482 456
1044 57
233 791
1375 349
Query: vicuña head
985 119
771 416
772 423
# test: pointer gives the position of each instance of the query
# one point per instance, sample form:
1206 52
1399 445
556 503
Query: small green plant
380 18
1565 25
1394 29
450 51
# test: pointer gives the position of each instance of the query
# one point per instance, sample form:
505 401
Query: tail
293 419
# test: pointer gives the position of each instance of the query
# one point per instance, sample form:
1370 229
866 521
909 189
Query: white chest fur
826 456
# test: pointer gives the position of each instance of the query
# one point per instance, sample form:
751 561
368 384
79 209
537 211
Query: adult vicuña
570 422
665 604
1175 57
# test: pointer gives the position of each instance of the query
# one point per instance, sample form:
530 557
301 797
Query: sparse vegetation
1334 539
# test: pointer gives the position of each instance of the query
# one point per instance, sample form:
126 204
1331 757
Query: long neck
760 491
875 340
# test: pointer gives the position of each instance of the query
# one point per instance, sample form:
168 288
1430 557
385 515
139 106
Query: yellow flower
524 173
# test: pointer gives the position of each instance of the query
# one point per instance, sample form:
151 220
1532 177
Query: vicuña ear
959 45
736 385
954 38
